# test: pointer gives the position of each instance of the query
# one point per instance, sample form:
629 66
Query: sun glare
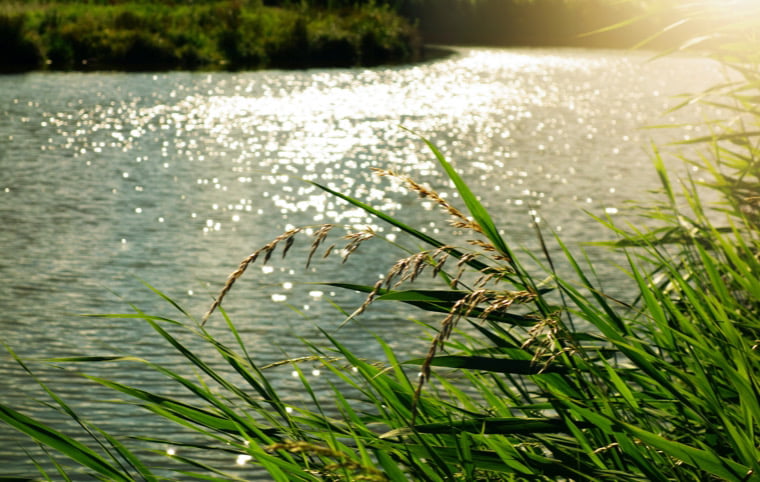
738 7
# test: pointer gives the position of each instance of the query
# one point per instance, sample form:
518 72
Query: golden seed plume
355 240
247 261
460 219
319 237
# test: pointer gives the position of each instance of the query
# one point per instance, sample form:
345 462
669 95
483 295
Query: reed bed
555 379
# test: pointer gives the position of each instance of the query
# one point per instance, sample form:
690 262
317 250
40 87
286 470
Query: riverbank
214 35
138 35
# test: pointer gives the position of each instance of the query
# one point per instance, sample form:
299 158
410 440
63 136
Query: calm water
107 179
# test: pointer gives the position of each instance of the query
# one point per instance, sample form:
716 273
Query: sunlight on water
331 127
243 459
109 178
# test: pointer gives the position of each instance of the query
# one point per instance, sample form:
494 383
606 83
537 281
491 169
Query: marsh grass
662 388
528 375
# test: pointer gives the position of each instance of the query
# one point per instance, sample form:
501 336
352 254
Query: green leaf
478 212
442 306
180 409
488 364
60 442
404 227
424 295
493 425
718 466
720 137
390 467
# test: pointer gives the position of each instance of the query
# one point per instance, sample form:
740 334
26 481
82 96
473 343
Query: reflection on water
109 178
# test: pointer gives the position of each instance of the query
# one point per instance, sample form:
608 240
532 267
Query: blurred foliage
22 51
209 35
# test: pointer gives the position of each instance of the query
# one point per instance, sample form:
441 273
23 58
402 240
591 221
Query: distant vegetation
235 34
141 35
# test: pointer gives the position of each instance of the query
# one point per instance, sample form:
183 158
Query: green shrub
143 35
382 37
21 50
367 36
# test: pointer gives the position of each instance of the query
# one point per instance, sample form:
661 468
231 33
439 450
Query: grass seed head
268 249
355 240
343 460
460 220
319 236
370 298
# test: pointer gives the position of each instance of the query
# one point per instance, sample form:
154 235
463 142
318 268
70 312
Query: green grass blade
476 209
489 425
716 465
60 442
404 227
491 364
442 306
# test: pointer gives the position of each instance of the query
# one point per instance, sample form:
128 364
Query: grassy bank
201 35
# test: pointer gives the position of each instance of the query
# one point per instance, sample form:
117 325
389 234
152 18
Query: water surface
107 179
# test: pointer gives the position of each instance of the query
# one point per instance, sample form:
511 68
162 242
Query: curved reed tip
207 315
268 249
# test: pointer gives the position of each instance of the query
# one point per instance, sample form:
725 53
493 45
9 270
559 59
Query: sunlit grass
661 388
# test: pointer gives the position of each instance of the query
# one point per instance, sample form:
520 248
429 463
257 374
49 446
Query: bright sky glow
738 7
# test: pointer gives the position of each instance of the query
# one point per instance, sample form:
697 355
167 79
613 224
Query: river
111 179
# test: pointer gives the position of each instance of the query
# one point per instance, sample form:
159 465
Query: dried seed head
319 237
419 265
288 244
230 281
502 301
329 471
396 270
463 307
414 266
482 244
355 240
483 280
235 275
551 340
440 260
425 192
268 253
370 297
467 224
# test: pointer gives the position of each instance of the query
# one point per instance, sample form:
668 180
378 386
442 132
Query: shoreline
428 54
